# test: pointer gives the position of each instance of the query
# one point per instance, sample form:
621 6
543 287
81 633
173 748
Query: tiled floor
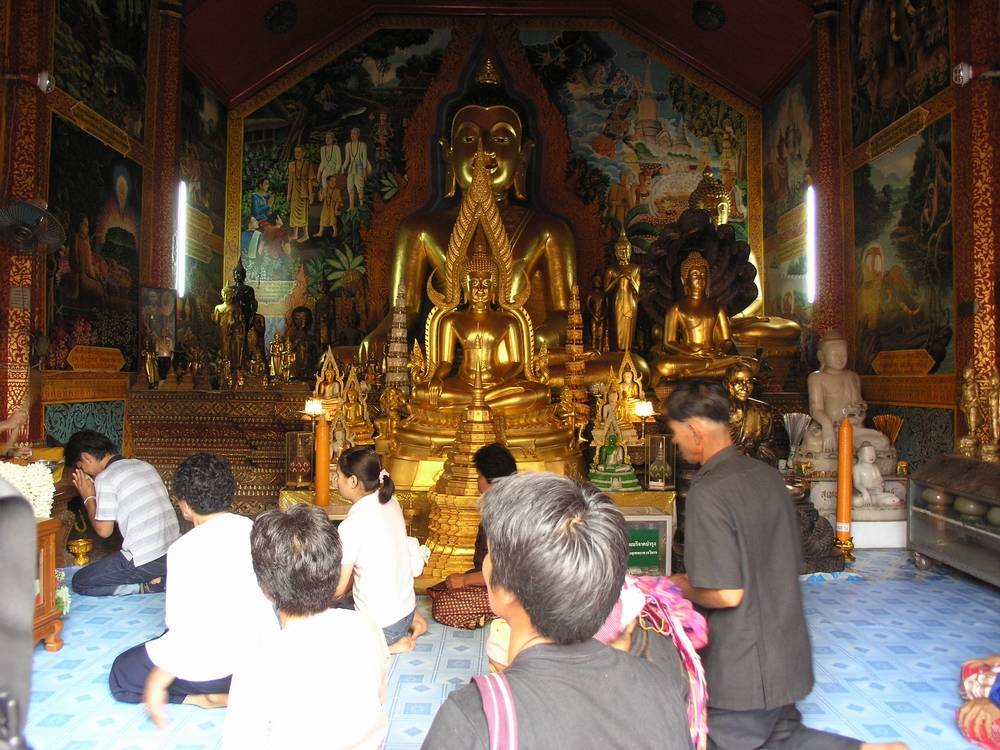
887 639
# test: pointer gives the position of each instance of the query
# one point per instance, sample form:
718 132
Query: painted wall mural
788 160
899 59
903 257
100 58
194 309
93 280
319 161
203 152
788 142
641 134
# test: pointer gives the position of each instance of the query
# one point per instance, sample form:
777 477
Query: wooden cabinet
48 619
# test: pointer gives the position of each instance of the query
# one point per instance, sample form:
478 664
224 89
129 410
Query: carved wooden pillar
977 185
828 309
166 125
25 153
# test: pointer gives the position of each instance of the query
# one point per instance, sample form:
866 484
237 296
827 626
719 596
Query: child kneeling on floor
321 680
376 551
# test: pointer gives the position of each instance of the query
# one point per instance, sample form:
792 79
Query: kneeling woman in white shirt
376 551
321 681
215 610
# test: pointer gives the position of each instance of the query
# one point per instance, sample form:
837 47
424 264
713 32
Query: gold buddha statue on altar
541 244
478 336
768 332
697 339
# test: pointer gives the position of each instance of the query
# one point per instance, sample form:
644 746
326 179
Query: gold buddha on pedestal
771 333
541 244
479 337
696 335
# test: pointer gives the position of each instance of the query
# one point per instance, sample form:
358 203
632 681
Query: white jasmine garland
34 482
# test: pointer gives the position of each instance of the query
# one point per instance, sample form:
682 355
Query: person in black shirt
742 557
460 600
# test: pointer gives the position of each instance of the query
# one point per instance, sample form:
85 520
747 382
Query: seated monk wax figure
755 427
540 242
696 334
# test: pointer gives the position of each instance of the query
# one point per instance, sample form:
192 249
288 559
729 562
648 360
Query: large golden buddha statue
478 336
487 117
696 335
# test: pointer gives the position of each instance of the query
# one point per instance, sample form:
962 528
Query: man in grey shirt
130 493
742 555
557 559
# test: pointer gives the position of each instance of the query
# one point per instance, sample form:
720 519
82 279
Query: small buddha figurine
300 339
597 313
487 116
354 411
696 334
237 341
222 316
970 400
276 350
756 429
622 284
340 441
869 486
244 296
612 473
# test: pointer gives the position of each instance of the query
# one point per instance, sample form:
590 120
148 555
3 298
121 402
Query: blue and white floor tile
888 641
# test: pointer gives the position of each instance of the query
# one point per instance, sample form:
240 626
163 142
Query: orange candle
322 461
845 483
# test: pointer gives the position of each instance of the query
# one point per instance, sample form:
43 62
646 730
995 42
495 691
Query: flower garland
34 482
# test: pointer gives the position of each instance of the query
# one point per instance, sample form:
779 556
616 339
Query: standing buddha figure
487 117
622 283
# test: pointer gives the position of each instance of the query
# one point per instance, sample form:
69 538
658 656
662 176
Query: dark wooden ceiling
228 46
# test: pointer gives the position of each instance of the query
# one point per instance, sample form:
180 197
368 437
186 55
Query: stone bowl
936 499
966 506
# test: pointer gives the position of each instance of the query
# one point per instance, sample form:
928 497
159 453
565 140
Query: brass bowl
80 549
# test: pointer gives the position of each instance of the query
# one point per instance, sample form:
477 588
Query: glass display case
954 516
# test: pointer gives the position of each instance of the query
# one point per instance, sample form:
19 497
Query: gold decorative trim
929 391
67 387
907 126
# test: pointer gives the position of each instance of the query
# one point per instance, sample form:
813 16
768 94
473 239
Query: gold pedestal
80 549
990 453
967 446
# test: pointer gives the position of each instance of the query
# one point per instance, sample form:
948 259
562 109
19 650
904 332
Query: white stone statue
869 486
833 392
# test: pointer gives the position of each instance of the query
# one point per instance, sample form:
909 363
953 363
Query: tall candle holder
321 440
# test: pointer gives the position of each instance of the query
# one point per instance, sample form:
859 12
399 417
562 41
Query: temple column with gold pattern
159 269
977 175
22 277
828 309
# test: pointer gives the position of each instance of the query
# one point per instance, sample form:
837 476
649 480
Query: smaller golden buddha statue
354 412
696 336
597 314
622 284
711 195
770 333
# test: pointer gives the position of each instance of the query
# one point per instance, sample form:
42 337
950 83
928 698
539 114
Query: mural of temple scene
646 305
